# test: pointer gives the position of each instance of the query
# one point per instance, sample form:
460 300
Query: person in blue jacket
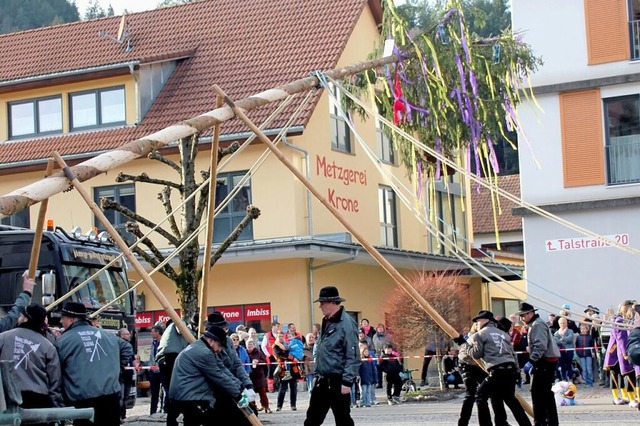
243 355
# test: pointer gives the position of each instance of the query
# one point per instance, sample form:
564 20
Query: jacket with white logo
91 359
492 345
36 365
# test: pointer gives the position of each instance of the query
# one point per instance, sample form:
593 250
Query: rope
441 237
492 187
256 165
170 214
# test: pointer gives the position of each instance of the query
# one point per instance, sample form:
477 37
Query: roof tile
243 46
482 208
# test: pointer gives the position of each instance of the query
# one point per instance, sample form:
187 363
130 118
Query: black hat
484 315
34 313
329 294
216 319
74 309
217 334
592 308
504 324
525 307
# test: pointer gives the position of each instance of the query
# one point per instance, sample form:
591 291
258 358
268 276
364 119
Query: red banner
257 312
144 319
231 313
162 316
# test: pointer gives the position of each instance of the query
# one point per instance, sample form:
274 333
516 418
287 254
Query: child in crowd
585 352
451 369
367 375
390 365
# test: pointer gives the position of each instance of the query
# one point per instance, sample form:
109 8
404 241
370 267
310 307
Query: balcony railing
634 30
623 159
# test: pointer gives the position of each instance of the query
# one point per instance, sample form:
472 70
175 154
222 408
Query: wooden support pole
132 259
213 172
386 265
37 238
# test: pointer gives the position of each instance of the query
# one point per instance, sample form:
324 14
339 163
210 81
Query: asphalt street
595 408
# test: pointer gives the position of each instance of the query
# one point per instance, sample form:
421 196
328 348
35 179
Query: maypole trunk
41 190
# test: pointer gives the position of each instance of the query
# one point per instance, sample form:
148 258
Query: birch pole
213 172
68 173
386 265
37 238
36 192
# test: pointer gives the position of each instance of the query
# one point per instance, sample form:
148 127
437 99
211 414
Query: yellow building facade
296 246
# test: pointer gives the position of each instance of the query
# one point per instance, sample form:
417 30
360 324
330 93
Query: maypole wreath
456 92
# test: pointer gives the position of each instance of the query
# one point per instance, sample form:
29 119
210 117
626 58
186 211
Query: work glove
250 394
243 402
460 339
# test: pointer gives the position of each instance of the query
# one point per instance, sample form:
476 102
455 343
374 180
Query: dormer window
97 108
35 117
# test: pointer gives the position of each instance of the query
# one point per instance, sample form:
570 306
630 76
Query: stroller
408 385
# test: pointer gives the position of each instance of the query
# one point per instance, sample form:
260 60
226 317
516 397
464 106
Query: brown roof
243 46
482 208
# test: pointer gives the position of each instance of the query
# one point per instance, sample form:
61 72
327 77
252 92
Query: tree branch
252 213
204 199
223 152
166 270
106 203
144 178
165 197
155 155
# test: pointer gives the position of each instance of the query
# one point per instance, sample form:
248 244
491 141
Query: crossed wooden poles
385 264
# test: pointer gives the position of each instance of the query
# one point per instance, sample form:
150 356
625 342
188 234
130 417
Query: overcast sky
118 5
130 5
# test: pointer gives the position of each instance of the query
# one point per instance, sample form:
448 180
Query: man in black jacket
337 359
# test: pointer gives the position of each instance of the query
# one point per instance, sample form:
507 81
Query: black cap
525 307
504 324
74 309
216 319
484 315
216 333
34 313
329 294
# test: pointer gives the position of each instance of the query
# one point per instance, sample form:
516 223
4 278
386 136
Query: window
20 219
446 213
125 195
388 219
634 28
504 307
35 117
236 209
622 117
386 153
340 132
96 108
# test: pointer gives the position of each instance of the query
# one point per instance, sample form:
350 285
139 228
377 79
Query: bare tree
187 275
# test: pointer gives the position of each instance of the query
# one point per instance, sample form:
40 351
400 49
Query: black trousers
227 412
155 381
36 400
106 410
327 394
425 364
472 376
394 384
166 364
499 386
544 405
